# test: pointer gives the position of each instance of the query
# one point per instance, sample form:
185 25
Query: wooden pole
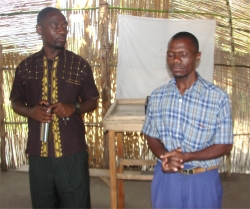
167 7
105 67
120 182
234 74
112 169
2 128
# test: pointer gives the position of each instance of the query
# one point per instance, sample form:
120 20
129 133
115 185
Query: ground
14 192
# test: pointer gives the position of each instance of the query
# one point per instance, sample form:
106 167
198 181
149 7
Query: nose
177 58
62 30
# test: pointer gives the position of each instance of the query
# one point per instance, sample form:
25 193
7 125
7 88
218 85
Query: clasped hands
172 161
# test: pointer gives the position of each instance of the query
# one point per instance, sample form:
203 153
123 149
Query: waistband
196 170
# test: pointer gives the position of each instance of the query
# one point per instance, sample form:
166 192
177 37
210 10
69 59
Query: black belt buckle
187 171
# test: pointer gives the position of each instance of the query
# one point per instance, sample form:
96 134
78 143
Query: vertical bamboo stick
2 128
234 74
105 67
167 8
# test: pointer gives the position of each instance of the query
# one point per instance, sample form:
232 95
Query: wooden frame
124 115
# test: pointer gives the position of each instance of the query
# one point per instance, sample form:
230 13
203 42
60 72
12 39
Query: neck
185 83
51 53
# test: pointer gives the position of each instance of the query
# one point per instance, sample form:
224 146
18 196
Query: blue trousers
60 182
176 190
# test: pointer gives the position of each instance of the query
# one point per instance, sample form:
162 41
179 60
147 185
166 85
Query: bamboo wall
94 35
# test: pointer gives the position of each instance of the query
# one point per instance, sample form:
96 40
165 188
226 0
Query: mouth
176 67
61 39
60 42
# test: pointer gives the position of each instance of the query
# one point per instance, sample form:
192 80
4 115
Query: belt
196 170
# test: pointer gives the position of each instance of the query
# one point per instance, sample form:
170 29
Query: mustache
61 36
176 66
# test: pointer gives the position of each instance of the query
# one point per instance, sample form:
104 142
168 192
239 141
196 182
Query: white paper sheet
142 46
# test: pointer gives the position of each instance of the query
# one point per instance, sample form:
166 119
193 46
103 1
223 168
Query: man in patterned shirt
55 85
188 127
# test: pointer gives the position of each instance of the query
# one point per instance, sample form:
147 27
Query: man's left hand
172 161
62 110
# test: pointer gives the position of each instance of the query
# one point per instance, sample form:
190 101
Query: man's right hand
41 112
170 162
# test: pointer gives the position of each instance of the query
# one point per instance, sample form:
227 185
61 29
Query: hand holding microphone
45 127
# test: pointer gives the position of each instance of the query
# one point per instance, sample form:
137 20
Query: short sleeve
224 132
88 87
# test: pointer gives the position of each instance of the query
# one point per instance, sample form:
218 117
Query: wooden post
167 7
120 182
112 170
105 67
2 128
234 74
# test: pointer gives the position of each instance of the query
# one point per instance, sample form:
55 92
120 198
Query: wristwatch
78 107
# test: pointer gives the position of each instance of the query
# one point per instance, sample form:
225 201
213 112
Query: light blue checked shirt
193 121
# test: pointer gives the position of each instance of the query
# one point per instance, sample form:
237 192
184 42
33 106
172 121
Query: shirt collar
197 86
62 53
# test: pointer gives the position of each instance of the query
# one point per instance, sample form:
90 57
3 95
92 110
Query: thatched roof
17 22
18 19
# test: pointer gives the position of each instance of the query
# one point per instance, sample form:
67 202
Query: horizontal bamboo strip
130 9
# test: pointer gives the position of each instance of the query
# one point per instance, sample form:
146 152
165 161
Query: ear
39 29
198 56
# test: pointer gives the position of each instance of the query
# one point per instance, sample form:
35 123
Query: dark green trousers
60 182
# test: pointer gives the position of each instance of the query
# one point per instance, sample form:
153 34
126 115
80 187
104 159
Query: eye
54 25
184 54
65 26
170 54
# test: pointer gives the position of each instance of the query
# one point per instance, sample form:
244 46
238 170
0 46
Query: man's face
53 30
182 57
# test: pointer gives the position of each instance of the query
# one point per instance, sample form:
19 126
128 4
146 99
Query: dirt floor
14 192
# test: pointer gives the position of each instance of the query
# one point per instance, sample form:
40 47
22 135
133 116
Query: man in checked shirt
188 127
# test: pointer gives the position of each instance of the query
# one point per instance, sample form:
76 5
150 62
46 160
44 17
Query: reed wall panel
231 43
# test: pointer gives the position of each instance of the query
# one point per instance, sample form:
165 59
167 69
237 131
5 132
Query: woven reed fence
93 34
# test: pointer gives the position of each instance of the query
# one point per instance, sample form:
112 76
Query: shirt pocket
198 134
72 75
74 82
68 90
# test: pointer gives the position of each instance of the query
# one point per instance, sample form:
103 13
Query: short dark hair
188 35
42 14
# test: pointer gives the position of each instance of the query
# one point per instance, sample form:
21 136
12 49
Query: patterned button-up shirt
66 79
193 121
